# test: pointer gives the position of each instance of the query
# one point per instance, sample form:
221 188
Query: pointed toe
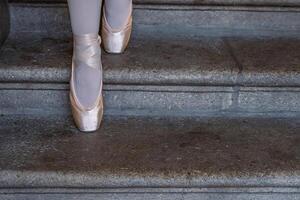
87 120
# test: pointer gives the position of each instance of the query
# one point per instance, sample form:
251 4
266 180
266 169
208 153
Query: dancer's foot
86 82
116 25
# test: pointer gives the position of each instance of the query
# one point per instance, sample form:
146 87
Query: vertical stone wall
4 21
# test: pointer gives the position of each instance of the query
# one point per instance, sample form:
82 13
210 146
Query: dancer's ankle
123 10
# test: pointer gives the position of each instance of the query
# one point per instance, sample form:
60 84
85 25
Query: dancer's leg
85 16
117 12
85 19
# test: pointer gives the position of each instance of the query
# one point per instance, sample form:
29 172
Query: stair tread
39 151
247 61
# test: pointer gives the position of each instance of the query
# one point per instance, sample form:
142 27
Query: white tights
85 19
85 14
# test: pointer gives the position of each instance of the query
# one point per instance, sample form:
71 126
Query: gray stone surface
271 62
118 100
164 158
150 149
263 100
52 20
152 61
206 60
200 61
216 64
199 76
45 99
139 194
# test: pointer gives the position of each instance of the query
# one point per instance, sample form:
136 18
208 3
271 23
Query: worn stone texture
271 62
119 101
189 77
223 64
250 152
243 61
152 195
198 61
133 100
264 100
52 20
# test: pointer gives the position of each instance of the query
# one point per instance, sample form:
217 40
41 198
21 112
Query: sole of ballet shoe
115 41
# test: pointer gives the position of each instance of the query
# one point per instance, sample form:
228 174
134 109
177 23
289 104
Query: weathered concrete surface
266 100
52 20
140 194
156 76
203 67
268 62
120 100
218 152
201 61
133 100
198 61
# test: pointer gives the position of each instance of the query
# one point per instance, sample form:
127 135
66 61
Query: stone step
52 20
194 76
192 61
209 65
152 158
209 110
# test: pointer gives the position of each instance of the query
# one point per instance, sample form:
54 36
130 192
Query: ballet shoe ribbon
87 49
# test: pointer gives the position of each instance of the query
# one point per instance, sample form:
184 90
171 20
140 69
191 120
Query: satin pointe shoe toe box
87 120
115 41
